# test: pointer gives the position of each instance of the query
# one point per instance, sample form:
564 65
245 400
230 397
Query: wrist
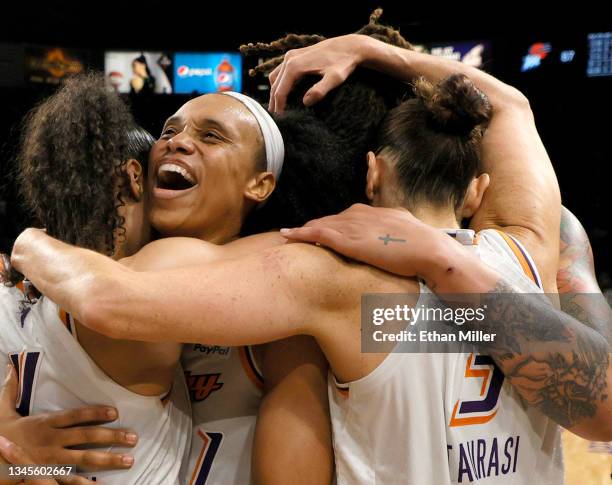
439 255
385 58
368 50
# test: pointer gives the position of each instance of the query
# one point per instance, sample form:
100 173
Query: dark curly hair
325 145
73 151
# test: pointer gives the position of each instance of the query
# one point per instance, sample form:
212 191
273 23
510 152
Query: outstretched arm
523 198
260 298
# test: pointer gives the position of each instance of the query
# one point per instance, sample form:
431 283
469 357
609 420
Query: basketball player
92 134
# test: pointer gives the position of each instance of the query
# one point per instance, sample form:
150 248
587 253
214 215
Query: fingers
74 417
13 453
331 80
282 87
16 455
315 234
274 74
96 435
91 460
8 393
278 74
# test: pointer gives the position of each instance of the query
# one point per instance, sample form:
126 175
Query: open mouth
171 176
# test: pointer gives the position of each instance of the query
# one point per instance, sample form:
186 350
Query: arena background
571 108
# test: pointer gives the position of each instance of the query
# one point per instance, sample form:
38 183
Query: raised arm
523 198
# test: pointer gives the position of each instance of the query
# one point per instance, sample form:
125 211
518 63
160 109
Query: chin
166 223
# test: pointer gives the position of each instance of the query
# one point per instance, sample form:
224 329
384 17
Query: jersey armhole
522 255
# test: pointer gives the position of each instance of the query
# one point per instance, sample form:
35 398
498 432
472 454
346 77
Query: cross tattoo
387 239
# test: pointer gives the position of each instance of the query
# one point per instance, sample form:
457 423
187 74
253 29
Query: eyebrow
202 122
174 119
212 122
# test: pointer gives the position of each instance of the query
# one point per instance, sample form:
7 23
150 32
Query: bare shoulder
181 252
251 244
332 279
173 253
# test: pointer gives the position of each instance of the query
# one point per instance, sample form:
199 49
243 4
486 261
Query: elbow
601 431
519 99
515 100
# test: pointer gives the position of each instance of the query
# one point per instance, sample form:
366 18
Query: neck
137 230
443 218
435 216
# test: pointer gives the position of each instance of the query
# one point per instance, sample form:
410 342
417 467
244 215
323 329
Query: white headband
273 140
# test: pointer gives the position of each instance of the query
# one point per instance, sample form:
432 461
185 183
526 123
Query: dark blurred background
553 57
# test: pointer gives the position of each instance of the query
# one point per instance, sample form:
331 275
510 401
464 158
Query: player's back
55 373
428 418
492 435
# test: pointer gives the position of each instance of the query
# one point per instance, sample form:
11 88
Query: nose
181 143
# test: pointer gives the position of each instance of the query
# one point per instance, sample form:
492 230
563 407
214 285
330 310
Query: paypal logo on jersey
211 350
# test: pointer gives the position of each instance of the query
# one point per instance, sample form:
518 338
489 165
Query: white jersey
55 373
434 418
225 387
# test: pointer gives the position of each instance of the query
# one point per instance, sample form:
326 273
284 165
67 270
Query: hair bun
455 104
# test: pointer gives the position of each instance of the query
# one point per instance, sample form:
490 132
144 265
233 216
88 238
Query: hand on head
332 59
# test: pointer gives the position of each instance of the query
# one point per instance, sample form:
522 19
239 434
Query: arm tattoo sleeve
553 360
579 293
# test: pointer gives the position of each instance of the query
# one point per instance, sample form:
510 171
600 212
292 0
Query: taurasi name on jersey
482 458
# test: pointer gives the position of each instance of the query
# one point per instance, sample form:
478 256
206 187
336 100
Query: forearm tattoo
579 293
554 361
576 267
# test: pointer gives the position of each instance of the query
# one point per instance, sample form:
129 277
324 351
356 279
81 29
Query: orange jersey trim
248 364
455 421
65 318
525 265
205 439
484 373
343 391
165 399
469 372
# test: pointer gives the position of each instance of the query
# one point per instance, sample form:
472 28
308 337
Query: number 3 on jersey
210 446
482 410
26 365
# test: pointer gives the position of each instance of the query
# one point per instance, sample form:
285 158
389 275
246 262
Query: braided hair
325 145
